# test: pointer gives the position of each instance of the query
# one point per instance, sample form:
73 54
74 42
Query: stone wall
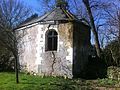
71 55
35 59
28 45
59 63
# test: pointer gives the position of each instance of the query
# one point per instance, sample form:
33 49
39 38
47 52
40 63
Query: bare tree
113 30
113 21
12 13
47 5
93 28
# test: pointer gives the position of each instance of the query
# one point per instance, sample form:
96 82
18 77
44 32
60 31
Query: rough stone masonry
56 43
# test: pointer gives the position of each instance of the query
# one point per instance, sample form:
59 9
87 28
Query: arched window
51 40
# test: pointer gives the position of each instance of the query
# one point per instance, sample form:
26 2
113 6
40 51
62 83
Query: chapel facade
56 43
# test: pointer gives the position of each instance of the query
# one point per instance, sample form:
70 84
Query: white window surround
54 27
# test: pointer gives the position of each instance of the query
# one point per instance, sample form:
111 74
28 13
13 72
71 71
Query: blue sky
34 5
37 6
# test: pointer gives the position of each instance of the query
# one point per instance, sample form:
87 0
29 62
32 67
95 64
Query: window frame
53 36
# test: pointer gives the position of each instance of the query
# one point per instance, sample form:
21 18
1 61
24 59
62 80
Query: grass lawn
29 82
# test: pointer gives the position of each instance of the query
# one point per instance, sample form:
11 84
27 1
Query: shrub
113 72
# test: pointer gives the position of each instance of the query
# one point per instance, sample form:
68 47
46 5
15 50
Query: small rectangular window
51 40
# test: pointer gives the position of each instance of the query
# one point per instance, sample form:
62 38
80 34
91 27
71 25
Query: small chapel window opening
51 40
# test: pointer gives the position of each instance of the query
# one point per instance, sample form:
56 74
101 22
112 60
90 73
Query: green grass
30 82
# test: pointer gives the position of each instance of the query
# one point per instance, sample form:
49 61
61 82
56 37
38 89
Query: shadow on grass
95 68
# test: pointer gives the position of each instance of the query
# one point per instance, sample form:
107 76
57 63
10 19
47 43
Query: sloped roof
56 14
59 14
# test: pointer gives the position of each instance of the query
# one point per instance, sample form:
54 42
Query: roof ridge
70 14
66 13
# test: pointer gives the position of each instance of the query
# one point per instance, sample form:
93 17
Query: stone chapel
56 43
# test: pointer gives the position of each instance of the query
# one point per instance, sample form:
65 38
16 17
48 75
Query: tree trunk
119 28
93 28
119 33
16 68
